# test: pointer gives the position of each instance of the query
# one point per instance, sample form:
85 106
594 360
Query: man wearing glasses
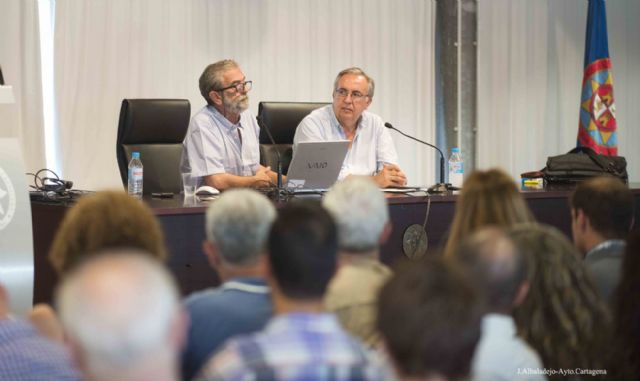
221 148
371 150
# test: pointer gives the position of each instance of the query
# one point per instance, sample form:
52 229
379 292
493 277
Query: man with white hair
122 318
362 216
237 227
371 150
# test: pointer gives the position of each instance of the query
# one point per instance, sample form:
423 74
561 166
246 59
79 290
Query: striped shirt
297 346
26 356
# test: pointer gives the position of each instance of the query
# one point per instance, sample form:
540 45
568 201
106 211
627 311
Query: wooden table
183 225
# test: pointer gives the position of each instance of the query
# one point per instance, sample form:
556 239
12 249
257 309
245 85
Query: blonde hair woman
487 198
105 220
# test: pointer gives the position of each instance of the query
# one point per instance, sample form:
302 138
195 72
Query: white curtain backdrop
530 66
20 61
107 50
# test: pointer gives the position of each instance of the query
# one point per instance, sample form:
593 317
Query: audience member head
237 226
105 220
601 209
563 318
361 214
624 355
303 247
499 267
122 316
429 318
487 198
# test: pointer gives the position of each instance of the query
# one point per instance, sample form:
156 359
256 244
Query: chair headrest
155 120
282 119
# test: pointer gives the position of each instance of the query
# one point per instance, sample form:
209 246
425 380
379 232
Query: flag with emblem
597 128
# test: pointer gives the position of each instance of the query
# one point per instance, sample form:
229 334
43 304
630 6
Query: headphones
50 184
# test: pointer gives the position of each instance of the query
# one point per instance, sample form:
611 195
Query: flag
597 129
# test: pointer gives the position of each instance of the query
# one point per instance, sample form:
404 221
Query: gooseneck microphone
440 187
279 165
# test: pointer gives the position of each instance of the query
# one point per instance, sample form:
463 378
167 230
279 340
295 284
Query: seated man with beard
221 148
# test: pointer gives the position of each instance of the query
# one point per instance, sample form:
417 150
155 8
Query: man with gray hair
371 150
237 227
362 216
122 318
221 147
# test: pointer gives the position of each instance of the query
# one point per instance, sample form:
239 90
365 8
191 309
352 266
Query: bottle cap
135 155
455 150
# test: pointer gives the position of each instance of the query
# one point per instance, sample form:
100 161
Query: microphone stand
279 189
440 187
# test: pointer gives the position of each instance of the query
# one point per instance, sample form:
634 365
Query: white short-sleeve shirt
372 145
215 145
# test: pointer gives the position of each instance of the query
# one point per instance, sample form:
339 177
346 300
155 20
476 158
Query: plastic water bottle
456 168
135 176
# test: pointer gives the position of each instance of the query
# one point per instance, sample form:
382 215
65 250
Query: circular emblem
414 242
7 200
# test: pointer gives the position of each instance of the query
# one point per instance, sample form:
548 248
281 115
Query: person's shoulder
32 353
316 122
610 251
221 302
322 111
373 121
498 348
206 112
202 120
229 363
367 273
320 115
203 298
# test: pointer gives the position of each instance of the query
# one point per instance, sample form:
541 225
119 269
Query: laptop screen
316 165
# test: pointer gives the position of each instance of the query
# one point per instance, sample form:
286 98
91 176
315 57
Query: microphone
279 165
440 187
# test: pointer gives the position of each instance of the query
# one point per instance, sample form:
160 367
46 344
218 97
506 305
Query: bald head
120 311
497 264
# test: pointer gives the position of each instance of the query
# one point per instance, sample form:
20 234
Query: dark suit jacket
604 262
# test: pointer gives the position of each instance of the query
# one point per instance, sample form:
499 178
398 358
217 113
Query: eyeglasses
240 87
356 96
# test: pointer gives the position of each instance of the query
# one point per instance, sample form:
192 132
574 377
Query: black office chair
156 129
282 119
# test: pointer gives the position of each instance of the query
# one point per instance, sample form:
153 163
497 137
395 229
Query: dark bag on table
582 163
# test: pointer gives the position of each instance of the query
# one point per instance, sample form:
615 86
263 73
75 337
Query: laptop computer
315 166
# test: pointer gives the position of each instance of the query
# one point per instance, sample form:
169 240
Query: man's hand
390 176
262 178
